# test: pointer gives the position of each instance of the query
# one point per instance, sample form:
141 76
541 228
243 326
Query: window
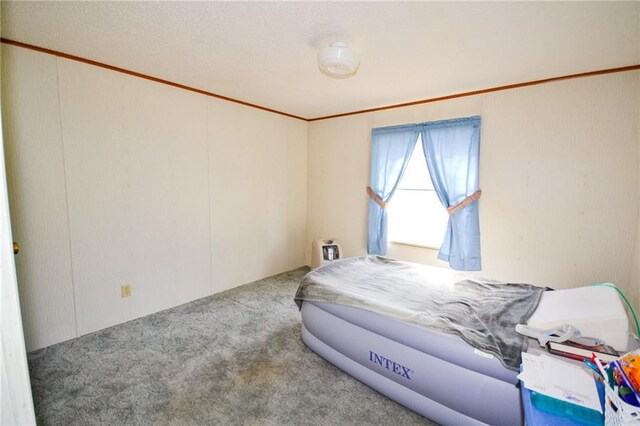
415 214
453 149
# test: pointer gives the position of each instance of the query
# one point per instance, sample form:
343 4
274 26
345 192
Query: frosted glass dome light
338 61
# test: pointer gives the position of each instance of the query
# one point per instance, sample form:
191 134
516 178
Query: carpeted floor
232 358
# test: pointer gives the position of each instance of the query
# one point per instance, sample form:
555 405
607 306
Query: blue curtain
390 153
452 150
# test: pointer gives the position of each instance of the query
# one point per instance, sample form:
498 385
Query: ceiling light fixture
338 61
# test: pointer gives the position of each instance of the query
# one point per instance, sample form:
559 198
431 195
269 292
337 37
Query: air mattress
434 373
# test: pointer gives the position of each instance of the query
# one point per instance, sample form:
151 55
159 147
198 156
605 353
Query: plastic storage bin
617 412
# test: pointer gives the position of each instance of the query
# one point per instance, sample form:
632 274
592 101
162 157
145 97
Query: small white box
325 251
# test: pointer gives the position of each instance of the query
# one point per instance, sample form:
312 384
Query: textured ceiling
265 52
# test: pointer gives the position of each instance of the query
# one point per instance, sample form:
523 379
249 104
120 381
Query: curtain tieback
375 198
464 203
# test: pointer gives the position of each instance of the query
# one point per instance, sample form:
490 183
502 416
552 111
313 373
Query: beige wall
38 200
634 280
558 168
115 179
259 170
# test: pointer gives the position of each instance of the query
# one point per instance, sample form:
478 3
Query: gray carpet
232 358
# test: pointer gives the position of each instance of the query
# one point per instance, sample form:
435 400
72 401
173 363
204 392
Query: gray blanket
483 313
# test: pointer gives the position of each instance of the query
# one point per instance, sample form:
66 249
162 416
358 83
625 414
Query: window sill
400 243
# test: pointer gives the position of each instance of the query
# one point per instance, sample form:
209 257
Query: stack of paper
559 379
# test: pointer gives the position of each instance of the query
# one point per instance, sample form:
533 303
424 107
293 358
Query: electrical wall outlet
125 290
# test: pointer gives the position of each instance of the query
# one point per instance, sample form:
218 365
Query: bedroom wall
115 179
258 166
558 170
634 279
118 180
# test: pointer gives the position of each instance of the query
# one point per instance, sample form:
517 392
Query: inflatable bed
436 341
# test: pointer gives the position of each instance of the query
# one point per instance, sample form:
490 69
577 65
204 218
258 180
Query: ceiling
265 52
